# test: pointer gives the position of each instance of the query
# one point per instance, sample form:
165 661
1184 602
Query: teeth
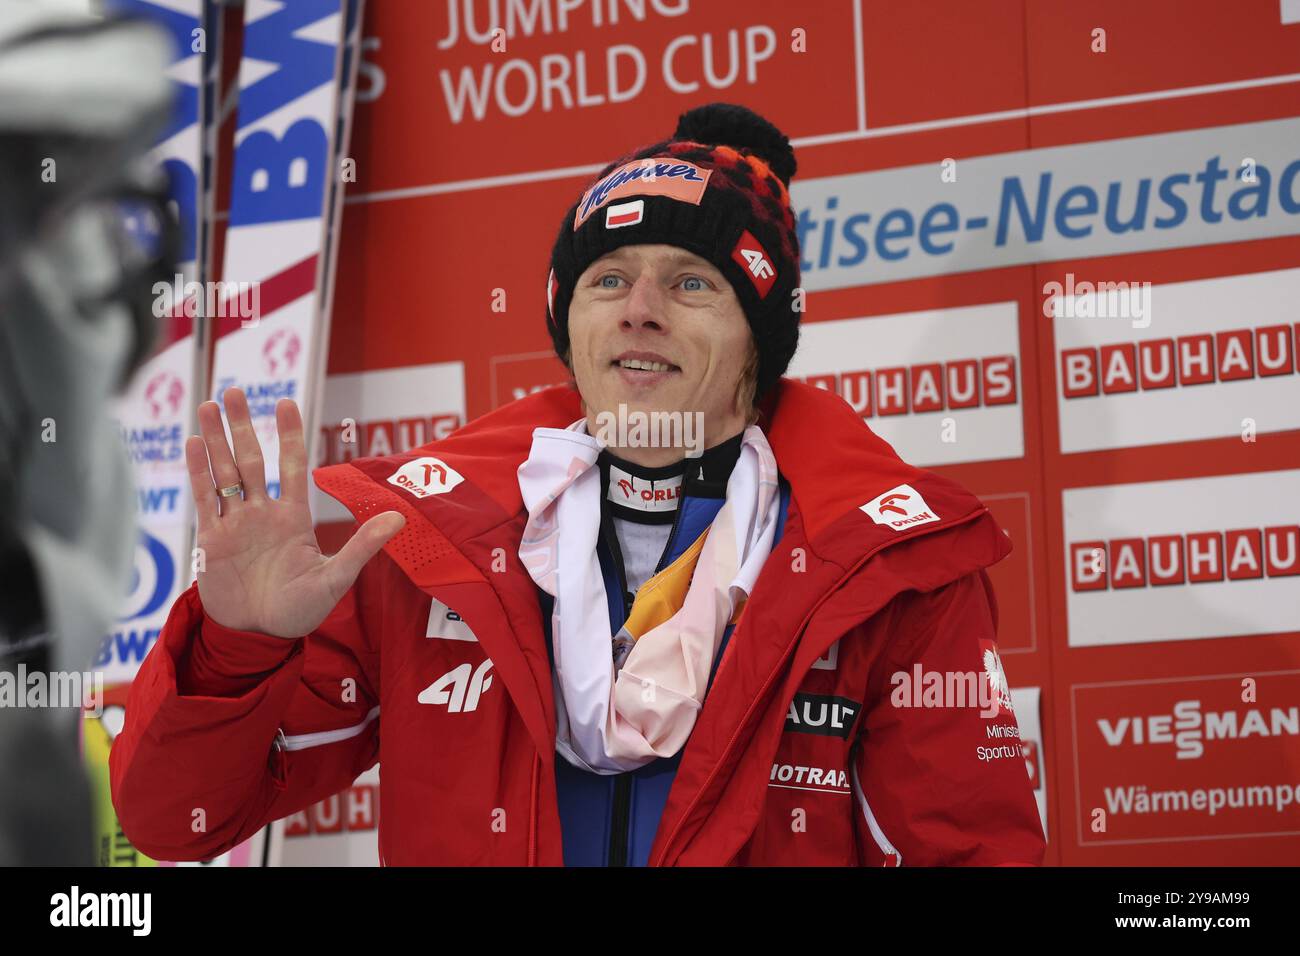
644 366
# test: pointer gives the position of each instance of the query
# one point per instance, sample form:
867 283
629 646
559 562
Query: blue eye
696 288
609 281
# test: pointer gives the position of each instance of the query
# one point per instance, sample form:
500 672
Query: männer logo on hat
677 180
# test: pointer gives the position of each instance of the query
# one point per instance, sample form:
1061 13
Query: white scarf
612 721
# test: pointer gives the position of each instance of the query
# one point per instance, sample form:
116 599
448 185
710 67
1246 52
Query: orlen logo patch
642 494
424 477
644 177
900 508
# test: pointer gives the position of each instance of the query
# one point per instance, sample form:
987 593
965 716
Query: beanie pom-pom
729 124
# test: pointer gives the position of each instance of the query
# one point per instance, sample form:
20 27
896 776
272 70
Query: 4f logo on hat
750 255
426 476
899 508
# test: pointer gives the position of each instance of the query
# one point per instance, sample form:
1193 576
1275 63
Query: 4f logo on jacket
425 476
460 688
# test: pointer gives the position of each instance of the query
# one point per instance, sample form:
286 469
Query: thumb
343 568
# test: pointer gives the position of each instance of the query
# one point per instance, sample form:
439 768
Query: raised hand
263 569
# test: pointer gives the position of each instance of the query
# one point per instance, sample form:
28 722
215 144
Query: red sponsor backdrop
468 156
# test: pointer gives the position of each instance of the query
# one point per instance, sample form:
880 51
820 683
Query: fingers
248 450
205 492
343 568
221 461
293 451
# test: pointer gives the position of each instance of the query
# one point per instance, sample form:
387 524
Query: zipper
621 819
892 856
771 678
532 819
321 737
621 812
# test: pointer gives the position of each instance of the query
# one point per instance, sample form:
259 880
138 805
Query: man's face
673 314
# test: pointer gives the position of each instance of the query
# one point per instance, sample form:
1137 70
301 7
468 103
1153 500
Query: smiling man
734 629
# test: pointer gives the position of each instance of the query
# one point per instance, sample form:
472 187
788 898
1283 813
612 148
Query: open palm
262 568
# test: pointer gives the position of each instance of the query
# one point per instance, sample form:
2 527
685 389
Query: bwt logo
1188 729
152 577
1156 560
933 387
280 352
1229 356
356 808
383 436
164 393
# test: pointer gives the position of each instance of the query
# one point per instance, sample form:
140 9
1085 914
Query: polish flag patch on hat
624 214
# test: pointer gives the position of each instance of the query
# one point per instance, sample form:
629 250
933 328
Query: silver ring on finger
231 490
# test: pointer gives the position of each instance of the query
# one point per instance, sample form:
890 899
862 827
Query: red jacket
798 756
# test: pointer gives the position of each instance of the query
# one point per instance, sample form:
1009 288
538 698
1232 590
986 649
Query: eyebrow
678 259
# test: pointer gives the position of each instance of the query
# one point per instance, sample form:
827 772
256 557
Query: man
81 97
567 644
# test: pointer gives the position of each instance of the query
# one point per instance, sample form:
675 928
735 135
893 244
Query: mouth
641 369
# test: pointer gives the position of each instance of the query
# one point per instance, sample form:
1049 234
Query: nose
644 306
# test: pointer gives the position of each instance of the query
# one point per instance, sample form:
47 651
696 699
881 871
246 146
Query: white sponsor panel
1181 560
1025 701
289 104
1215 353
961 364
153 418
446 625
1065 202
392 410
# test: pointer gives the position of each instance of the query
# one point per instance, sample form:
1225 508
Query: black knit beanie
719 189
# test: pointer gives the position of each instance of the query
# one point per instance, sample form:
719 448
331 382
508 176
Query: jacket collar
801 422
852 498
